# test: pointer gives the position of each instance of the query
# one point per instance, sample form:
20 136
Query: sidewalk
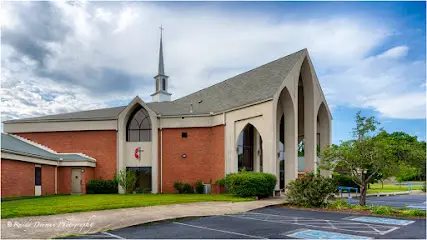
90 222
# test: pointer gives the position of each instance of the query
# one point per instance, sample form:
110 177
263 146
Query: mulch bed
349 211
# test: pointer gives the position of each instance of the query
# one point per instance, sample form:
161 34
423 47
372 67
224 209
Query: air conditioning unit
207 188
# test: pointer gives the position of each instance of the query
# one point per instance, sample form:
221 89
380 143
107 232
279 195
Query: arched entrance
286 127
249 149
323 129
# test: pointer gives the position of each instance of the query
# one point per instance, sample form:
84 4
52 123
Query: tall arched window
138 128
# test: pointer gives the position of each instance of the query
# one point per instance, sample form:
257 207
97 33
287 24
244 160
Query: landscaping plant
372 153
199 187
183 187
127 180
102 186
312 190
249 184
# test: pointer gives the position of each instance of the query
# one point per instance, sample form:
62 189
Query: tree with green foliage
127 180
364 156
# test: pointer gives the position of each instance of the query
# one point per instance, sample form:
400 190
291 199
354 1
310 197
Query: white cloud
384 82
202 46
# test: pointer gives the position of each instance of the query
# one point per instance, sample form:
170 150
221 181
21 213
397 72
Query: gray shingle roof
15 145
256 85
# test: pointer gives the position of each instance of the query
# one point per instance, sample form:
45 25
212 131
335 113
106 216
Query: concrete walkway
90 222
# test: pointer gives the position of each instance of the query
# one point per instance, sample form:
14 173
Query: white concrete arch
124 149
286 107
307 114
250 139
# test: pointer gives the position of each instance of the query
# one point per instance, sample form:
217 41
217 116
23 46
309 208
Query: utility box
207 188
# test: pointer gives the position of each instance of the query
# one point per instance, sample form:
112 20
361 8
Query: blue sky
368 56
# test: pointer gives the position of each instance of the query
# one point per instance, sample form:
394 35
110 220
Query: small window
164 84
184 134
38 176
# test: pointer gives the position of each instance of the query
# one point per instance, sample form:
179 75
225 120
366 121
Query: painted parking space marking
391 221
420 207
218 230
316 234
112 235
348 225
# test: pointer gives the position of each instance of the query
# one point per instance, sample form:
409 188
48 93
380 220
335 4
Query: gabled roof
20 146
253 86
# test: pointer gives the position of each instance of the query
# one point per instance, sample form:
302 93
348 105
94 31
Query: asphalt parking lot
276 222
411 201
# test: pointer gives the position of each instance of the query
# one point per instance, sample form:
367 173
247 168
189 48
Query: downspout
56 177
161 160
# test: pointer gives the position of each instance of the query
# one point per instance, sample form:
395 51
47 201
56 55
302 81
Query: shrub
220 181
127 180
101 187
248 184
416 213
339 204
311 190
383 210
199 187
178 186
187 188
183 187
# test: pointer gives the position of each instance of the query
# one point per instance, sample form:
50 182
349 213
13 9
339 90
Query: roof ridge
38 145
80 154
253 69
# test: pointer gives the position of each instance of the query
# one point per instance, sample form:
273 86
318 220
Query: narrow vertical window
38 176
164 84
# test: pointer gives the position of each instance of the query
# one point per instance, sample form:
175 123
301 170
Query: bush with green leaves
311 190
248 184
220 181
102 187
127 180
339 204
183 187
199 187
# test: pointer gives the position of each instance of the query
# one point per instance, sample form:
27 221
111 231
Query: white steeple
161 94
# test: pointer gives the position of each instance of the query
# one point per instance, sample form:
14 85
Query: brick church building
254 121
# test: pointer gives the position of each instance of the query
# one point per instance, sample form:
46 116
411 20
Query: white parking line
218 230
350 226
112 235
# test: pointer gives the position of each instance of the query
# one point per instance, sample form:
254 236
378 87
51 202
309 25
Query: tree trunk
362 196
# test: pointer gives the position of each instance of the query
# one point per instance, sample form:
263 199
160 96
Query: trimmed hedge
249 184
102 187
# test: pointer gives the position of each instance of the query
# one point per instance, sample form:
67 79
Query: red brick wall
64 180
17 178
100 145
87 176
48 179
205 156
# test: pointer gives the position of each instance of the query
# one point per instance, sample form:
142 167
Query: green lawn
91 202
375 188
